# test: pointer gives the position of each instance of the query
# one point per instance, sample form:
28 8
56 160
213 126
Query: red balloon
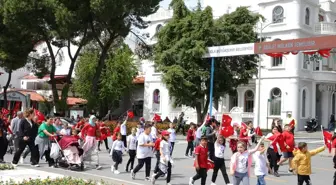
226 120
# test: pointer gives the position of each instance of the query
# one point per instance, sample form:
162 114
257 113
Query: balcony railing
325 28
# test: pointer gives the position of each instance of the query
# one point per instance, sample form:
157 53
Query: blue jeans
261 180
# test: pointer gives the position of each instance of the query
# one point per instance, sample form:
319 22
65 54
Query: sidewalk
20 174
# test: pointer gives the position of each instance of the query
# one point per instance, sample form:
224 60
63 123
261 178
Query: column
313 98
325 100
256 103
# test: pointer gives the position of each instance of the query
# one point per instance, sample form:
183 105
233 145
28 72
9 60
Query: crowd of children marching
206 144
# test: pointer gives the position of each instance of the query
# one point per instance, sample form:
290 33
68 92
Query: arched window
275 103
278 14
303 103
276 61
307 16
248 101
156 100
158 28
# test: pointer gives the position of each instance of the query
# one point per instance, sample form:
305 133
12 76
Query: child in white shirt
165 159
261 164
172 137
131 147
117 148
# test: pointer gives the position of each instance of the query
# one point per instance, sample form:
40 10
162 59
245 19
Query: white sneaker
191 181
112 168
132 175
213 183
168 184
116 172
15 165
35 165
153 179
21 160
98 167
229 184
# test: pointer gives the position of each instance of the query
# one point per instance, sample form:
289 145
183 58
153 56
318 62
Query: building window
276 61
321 18
275 103
156 100
307 16
278 14
249 101
158 28
305 61
303 103
233 100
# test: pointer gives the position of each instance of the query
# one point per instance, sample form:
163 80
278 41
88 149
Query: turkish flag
130 114
4 111
157 118
292 124
327 136
40 116
243 126
324 53
210 164
226 120
278 139
227 131
258 131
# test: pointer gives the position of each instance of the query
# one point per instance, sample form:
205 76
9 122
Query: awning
75 101
34 96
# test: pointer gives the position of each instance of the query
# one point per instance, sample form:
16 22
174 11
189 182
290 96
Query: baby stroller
67 153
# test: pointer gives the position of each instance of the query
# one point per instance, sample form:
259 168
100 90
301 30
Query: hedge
131 124
57 181
6 167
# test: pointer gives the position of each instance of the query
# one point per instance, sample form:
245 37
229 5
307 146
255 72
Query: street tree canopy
116 78
184 40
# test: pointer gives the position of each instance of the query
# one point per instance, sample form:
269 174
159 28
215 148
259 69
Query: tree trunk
100 66
199 113
52 77
6 87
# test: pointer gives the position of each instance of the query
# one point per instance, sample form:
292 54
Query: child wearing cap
166 161
201 162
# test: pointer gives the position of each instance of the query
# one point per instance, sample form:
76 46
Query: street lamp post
259 66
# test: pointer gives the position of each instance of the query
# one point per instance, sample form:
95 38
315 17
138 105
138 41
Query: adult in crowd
210 133
108 116
181 124
15 124
123 131
42 140
26 152
144 152
27 134
3 139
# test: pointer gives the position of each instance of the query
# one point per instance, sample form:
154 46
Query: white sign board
230 50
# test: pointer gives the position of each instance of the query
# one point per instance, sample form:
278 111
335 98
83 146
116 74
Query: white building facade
299 84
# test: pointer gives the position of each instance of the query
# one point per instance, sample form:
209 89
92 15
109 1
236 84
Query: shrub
57 181
6 167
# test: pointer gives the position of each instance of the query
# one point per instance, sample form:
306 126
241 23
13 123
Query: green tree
116 77
182 42
15 46
61 23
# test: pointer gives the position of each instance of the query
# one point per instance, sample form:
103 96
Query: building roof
139 80
34 96
46 77
75 101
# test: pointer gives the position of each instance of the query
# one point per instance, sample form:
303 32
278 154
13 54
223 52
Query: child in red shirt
157 152
201 162
190 140
288 138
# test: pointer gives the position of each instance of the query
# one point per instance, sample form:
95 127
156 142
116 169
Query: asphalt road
322 168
